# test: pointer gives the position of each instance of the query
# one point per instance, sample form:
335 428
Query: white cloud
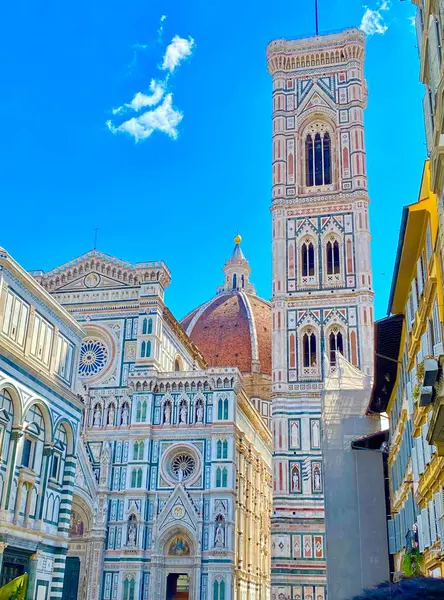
412 21
373 20
142 100
160 30
163 118
177 50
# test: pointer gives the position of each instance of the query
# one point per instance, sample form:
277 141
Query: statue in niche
219 532
317 479
295 479
132 532
105 459
105 455
199 413
183 413
97 416
167 413
125 414
315 436
111 414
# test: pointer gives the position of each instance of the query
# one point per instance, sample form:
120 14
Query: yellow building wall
421 215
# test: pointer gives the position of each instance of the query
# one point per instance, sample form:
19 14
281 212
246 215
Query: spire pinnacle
237 271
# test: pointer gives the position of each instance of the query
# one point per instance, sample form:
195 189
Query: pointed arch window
144 326
150 326
318 159
234 281
219 590
143 350
222 409
308 259
128 589
309 349
333 257
221 477
335 344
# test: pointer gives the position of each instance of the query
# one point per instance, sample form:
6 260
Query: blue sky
64 172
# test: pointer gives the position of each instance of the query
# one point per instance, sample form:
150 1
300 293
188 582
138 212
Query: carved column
3 546
16 434
32 577
47 453
29 488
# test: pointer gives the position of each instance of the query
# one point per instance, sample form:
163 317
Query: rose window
93 357
183 466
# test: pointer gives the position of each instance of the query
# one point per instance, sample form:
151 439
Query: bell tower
322 281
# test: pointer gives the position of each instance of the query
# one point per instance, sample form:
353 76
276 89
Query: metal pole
317 19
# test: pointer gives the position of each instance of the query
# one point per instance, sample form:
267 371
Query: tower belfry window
333 258
309 349
307 252
318 159
336 344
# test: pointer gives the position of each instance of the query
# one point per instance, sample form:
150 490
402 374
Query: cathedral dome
233 329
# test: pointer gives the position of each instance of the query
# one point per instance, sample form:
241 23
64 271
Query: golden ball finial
237 239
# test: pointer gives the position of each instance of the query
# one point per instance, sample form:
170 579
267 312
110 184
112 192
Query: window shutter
415 464
420 534
402 529
415 298
426 351
432 520
420 454
434 63
409 314
419 276
428 118
439 512
409 397
427 449
397 537
425 526
391 536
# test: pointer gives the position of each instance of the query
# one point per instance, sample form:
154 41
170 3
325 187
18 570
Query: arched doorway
177 567
78 561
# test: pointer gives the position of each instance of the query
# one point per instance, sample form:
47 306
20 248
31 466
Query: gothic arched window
309 349
143 350
335 344
333 258
150 326
144 326
219 590
225 449
317 159
234 281
307 256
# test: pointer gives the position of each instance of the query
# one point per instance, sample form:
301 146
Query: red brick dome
233 330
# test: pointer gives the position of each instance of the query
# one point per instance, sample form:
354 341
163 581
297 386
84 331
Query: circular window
183 466
93 357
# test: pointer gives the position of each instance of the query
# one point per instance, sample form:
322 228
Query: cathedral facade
322 280
172 494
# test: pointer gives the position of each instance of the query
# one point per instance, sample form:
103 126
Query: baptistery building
172 495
